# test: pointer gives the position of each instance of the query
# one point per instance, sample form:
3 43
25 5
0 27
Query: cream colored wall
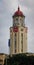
24 39
12 49
11 41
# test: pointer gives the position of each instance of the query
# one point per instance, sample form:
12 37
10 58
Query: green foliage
20 59
7 61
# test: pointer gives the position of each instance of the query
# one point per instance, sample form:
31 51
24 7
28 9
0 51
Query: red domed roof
18 13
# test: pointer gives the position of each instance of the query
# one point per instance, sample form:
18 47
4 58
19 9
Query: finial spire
18 8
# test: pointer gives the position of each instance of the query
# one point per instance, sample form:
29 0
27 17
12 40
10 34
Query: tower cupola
18 13
18 18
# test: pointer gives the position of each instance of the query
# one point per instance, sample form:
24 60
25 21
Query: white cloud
11 5
26 10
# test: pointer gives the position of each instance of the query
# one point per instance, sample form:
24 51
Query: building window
16 19
21 42
21 29
15 41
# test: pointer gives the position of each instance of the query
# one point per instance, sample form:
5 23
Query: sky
7 9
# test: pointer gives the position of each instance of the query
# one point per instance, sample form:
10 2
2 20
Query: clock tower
18 34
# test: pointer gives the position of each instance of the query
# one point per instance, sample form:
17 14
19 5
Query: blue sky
7 9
